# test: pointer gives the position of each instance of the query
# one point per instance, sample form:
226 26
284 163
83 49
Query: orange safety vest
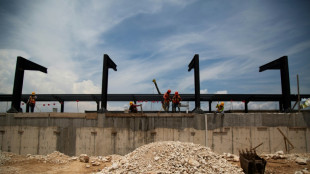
32 100
176 99
166 97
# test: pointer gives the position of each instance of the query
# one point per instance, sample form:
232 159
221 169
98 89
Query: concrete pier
120 133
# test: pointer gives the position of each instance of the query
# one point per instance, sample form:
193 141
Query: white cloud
7 68
221 92
204 91
70 37
86 87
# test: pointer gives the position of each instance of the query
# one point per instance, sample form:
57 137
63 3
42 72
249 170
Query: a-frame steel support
282 64
22 64
107 63
195 64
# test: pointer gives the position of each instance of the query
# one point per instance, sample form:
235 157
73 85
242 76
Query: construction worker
167 100
133 107
220 108
32 101
176 101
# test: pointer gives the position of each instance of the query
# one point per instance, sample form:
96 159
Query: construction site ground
60 163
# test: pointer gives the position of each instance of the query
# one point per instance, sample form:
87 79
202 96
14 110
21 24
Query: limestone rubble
172 157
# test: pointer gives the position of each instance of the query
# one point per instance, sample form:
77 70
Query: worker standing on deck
176 101
220 108
167 100
133 107
32 101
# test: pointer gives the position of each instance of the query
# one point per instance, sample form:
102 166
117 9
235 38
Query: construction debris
231 157
55 157
301 161
155 158
251 162
84 158
172 157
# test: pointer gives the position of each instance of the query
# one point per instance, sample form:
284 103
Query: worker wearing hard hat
220 108
176 101
167 100
32 101
133 107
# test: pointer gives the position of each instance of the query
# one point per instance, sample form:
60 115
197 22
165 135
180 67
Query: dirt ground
281 166
14 164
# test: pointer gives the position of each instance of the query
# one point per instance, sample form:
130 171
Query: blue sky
154 39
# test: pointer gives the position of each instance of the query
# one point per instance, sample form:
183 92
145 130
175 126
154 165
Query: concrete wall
105 134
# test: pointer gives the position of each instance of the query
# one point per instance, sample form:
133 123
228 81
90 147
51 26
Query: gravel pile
171 157
4 157
301 159
55 157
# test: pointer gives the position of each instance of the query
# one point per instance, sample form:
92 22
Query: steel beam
157 97
195 64
282 64
107 63
22 64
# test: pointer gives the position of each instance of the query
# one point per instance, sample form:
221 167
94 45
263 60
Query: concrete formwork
105 134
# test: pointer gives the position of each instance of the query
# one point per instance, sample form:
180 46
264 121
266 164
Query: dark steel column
98 105
62 106
195 64
210 102
282 64
107 63
246 106
280 105
27 107
22 64
285 83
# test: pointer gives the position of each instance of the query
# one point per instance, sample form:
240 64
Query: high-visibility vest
32 100
166 97
176 99
220 108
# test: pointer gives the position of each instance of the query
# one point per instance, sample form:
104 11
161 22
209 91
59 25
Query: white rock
193 162
156 158
301 161
280 152
74 158
114 166
305 171
84 158
236 159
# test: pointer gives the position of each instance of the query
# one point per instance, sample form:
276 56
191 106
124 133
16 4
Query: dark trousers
32 107
174 107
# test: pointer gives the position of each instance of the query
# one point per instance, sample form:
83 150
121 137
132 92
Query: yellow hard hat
33 93
222 103
131 103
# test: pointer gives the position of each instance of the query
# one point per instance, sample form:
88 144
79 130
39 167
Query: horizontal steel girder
154 97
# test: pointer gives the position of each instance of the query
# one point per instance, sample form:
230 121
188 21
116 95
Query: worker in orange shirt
32 101
176 101
133 107
220 108
167 100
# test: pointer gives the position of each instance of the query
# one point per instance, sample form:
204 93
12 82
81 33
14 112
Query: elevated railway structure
246 98
23 64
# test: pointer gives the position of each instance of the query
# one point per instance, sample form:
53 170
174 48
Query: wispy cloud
150 39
